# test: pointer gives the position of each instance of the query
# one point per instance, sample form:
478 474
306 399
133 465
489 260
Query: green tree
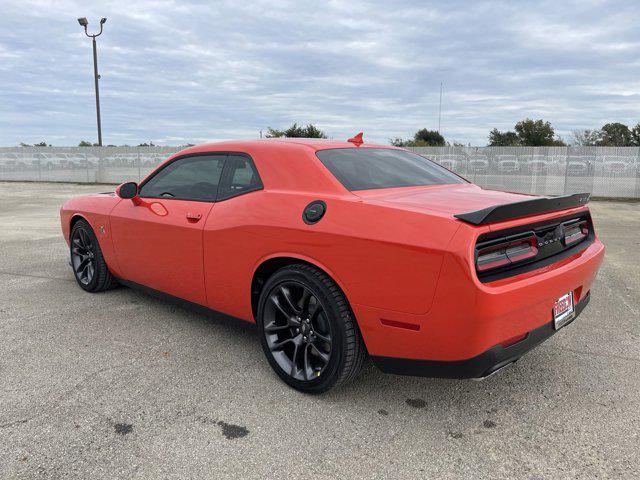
296 131
145 144
84 143
425 137
635 135
503 139
41 144
422 138
615 135
313 132
536 133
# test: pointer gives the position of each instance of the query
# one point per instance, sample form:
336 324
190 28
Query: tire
89 268
316 355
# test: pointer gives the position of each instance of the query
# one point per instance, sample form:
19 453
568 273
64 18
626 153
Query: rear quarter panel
379 256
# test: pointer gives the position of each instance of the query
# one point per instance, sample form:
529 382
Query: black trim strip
476 367
186 304
499 213
219 198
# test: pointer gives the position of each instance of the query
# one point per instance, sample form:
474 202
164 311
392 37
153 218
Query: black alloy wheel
89 267
308 332
83 259
297 331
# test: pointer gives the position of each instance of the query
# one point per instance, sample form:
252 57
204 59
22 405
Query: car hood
442 199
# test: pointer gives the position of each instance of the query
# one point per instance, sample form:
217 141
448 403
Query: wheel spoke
276 346
78 246
293 360
306 297
86 239
82 265
276 301
316 311
322 337
83 273
273 327
289 302
324 356
307 364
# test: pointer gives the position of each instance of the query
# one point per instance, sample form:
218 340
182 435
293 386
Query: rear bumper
481 365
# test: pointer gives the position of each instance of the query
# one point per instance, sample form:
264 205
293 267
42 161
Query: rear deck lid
445 199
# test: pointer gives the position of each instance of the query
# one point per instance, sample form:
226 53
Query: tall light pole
84 23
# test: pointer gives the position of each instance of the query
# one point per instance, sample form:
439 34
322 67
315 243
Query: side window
240 176
189 178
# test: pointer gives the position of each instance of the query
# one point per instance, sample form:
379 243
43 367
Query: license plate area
563 311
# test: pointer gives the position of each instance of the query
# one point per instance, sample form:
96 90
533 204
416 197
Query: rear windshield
370 168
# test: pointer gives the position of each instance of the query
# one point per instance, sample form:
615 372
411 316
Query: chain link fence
81 164
612 172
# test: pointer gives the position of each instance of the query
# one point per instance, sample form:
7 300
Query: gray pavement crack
15 274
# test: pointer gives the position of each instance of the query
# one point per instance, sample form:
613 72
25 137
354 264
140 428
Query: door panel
159 245
228 268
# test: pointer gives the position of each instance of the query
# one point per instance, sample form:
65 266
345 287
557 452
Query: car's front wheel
307 330
89 267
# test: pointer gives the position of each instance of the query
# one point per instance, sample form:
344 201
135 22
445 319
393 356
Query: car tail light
575 233
506 253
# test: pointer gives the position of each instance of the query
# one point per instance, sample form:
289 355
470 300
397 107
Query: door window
240 177
188 178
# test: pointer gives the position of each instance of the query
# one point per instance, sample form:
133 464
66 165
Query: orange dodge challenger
338 250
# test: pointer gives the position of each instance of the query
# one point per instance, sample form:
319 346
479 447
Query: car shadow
526 379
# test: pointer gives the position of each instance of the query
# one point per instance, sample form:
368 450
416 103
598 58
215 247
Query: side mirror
127 190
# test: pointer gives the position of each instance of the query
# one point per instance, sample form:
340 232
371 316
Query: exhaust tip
494 372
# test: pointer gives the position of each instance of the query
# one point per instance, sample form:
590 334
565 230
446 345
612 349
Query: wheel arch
75 218
269 265
104 241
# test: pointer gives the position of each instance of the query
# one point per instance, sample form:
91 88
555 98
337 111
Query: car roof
270 144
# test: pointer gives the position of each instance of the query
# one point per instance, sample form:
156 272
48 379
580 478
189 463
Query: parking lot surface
121 385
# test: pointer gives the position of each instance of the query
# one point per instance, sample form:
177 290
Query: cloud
178 71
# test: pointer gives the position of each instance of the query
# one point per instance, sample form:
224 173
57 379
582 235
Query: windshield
370 168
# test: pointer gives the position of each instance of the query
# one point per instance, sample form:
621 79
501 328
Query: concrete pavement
121 385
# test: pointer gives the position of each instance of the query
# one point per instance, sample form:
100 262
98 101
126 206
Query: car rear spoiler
499 213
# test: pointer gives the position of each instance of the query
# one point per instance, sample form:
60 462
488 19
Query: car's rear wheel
89 267
307 330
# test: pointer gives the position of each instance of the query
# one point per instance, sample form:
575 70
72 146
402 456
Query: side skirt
187 305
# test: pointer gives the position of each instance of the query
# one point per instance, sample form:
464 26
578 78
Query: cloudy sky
176 71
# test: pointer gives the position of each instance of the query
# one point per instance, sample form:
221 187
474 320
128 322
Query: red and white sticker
563 311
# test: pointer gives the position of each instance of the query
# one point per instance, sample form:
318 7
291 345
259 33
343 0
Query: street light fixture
84 23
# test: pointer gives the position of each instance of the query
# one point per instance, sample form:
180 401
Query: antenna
440 108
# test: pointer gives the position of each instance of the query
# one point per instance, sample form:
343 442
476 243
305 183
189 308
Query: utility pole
84 23
440 108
